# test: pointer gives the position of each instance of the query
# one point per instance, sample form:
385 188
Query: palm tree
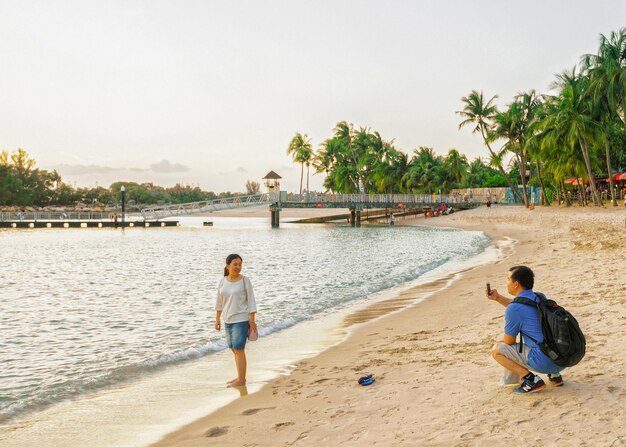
607 73
379 161
474 176
398 163
561 159
457 164
529 103
364 156
515 125
507 127
307 156
301 152
481 113
326 157
351 176
359 161
423 173
574 120
533 149
410 179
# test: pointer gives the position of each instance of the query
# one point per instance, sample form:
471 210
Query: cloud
84 169
241 170
162 167
165 166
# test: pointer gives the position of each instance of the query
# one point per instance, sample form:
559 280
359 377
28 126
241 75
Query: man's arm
495 296
508 339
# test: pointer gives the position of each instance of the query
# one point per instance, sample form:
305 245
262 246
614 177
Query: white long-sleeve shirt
233 301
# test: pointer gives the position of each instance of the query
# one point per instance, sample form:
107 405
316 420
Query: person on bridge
235 300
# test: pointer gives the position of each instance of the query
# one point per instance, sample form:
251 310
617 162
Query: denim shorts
237 334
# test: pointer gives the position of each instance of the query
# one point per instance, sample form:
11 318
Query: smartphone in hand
488 289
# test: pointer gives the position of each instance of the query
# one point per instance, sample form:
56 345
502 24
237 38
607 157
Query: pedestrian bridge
207 206
278 201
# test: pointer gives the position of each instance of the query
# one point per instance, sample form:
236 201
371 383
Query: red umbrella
574 181
619 177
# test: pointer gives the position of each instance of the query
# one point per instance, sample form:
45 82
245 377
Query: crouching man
520 318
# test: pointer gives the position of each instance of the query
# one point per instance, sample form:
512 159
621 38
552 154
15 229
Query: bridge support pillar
275 217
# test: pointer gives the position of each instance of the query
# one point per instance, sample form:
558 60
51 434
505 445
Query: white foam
141 412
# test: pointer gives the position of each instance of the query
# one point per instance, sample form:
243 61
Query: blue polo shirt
522 318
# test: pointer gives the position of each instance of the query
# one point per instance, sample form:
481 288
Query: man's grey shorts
512 352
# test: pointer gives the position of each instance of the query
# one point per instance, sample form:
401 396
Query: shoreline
147 408
436 384
355 322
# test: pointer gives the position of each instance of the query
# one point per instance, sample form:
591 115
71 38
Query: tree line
361 161
23 184
578 132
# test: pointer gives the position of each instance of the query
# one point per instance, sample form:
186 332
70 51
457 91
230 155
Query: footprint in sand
337 413
469 435
281 425
300 437
214 432
252 411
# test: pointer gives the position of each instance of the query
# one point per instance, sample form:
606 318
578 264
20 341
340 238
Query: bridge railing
207 206
63 215
392 199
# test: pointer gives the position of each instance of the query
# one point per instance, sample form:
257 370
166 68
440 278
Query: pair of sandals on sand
367 380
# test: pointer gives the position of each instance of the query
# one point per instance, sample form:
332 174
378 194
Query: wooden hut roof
272 176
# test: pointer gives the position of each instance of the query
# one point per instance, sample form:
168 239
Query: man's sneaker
555 379
531 386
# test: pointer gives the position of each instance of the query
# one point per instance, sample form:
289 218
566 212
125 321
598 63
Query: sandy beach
436 384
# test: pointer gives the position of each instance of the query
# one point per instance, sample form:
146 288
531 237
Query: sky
209 93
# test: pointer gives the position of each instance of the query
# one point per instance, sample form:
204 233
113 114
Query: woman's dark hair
229 259
523 275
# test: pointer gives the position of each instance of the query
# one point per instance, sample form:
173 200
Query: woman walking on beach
235 300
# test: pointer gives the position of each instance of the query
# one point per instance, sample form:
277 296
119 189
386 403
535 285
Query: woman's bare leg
231 380
241 364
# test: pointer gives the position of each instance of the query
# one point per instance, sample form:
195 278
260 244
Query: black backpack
563 341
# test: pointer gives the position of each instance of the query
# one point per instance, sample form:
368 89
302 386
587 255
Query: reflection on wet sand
404 299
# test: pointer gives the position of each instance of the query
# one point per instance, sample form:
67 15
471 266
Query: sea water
95 316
